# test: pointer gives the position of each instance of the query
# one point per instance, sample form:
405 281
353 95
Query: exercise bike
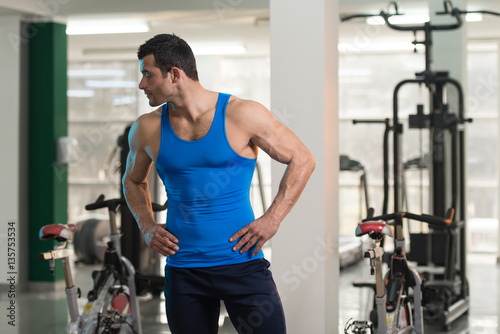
398 294
112 305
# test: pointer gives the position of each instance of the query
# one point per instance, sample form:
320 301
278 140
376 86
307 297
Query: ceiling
213 21
250 26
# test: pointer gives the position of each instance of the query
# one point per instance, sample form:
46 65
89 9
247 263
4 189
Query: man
204 145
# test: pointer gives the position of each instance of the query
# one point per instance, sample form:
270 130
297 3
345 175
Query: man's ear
175 74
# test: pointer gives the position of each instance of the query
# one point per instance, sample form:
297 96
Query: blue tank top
208 190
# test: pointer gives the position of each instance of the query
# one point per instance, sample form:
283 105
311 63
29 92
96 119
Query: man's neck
193 100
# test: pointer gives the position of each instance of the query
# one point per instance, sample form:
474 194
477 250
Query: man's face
154 85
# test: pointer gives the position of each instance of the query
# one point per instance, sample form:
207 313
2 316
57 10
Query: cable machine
446 291
351 249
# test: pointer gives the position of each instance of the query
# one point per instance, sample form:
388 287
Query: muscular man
204 145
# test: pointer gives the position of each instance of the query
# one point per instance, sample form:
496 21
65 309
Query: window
102 102
482 147
367 83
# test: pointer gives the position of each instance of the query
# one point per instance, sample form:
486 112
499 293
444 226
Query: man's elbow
129 182
306 161
311 163
125 184
125 180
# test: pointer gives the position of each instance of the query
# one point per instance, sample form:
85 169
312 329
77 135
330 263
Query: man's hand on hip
161 241
257 232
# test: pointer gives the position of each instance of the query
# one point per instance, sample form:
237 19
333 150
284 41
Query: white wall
304 87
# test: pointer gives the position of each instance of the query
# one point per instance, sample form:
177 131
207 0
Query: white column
498 156
10 166
304 96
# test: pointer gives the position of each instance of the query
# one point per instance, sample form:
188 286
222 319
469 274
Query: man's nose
141 84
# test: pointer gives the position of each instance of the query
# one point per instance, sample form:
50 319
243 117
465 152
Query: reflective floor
484 280
46 312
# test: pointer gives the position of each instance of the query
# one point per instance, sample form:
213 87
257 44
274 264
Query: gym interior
398 102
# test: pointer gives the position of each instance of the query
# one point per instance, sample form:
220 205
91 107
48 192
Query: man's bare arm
284 146
136 191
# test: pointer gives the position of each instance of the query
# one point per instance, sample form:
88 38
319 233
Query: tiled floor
45 312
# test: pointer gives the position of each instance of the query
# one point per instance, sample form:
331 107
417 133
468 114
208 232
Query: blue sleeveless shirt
208 190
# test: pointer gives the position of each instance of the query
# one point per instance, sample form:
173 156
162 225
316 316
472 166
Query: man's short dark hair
170 51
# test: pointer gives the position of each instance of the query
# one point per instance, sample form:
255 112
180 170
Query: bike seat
58 232
374 229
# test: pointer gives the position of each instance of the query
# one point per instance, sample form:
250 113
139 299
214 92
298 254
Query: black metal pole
398 129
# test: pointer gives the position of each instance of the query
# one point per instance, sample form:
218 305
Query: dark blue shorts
193 295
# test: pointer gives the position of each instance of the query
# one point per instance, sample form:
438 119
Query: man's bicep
138 161
274 138
138 166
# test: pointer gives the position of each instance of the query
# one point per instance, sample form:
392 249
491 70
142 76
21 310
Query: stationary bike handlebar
430 219
112 204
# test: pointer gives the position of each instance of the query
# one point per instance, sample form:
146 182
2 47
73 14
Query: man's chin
154 103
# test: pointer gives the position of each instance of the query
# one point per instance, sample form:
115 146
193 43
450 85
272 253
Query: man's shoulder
238 108
238 103
147 125
150 117
247 113
150 120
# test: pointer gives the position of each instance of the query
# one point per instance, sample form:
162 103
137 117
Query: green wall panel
48 184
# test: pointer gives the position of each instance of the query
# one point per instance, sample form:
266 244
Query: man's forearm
291 186
138 199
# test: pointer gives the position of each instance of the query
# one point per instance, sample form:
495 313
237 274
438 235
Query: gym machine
351 249
441 250
352 165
